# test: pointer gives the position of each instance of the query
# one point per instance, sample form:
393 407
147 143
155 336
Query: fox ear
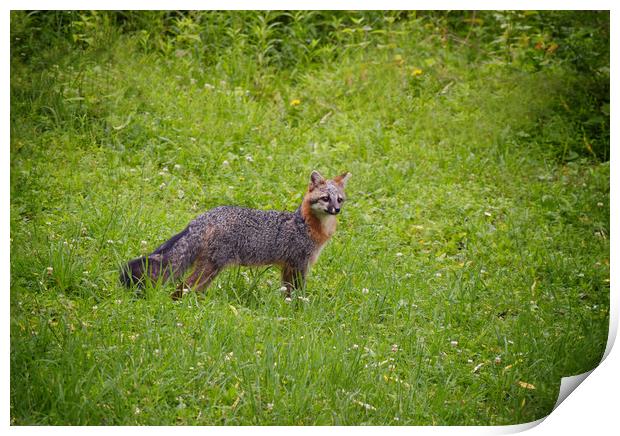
316 179
342 179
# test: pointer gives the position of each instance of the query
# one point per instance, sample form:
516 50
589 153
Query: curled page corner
568 385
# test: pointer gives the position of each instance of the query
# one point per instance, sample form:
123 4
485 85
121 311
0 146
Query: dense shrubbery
253 46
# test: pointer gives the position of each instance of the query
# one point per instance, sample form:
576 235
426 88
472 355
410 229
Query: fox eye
340 199
325 198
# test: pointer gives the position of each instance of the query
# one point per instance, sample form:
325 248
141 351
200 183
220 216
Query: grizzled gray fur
267 237
230 235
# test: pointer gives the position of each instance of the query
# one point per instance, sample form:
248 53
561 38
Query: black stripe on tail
166 246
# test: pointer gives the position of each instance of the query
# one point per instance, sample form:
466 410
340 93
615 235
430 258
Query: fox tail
172 258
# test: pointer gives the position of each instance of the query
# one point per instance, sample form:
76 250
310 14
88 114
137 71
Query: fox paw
180 291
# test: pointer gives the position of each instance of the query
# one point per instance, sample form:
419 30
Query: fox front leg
293 278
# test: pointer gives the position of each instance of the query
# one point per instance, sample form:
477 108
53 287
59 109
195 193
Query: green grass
471 255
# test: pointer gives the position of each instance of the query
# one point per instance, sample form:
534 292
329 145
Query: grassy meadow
470 269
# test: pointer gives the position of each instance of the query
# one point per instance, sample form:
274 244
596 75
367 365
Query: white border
592 409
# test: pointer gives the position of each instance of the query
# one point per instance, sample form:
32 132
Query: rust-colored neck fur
320 230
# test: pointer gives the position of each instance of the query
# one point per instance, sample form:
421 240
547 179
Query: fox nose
337 210
333 210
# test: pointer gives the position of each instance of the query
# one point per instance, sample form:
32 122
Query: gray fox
231 235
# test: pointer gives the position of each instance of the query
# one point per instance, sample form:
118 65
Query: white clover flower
365 290
477 367
365 405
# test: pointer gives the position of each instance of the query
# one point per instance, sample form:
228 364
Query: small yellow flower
526 385
295 102
416 72
552 48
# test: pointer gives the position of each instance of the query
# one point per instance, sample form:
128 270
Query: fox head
326 196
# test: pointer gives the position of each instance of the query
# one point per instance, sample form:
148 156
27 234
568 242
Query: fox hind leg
203 274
